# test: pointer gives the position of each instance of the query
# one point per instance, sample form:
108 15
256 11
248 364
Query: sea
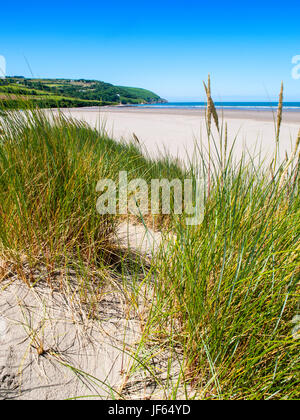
258 106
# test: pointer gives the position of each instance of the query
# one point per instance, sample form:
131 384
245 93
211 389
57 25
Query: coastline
176 131
289 115
84 311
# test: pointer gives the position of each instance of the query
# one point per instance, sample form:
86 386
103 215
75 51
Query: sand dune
177 130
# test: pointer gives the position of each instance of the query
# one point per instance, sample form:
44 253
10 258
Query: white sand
89 357
29 317
177 130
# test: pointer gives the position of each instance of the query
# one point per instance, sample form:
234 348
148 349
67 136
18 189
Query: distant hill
146 95
18 90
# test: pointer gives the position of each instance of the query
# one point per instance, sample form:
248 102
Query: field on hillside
57 93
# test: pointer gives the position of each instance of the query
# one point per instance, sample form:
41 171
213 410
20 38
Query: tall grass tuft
278 123
228 290
49 168
225 293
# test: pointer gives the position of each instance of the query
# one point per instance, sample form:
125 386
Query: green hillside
17 91
146 95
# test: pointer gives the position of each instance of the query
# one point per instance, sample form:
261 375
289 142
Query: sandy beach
88 333
150 204
178 130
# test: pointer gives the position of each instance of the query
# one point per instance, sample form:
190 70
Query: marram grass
225 292
49 168
228 290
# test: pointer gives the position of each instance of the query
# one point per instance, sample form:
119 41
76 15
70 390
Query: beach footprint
8 380
3 328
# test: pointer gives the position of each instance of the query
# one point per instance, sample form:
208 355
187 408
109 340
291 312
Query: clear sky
168 46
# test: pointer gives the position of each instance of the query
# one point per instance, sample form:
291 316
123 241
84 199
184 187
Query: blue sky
167 46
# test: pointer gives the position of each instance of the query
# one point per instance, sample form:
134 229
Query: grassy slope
71 93
48 182
144 94
225 292
16 96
